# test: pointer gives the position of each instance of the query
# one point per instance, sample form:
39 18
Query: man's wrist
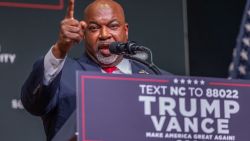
58 52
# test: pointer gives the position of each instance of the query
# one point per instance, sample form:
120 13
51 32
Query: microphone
130 48
134 52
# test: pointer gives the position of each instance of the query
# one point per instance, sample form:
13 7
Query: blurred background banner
193 37
36 4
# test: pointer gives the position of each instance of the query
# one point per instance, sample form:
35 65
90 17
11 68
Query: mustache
103 44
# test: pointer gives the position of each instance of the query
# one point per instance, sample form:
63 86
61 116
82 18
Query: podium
68 130
158 108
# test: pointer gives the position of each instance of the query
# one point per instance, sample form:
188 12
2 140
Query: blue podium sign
157 108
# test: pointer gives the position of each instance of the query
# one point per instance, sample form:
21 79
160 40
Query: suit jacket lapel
139 68
87 64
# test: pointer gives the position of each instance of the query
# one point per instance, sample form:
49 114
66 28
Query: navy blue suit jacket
56 102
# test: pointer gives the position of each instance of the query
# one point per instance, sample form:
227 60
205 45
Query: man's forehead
102 8
97 3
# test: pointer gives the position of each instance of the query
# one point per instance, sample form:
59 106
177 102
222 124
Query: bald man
49 91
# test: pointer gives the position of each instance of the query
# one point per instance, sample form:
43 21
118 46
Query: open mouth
104 49
103 46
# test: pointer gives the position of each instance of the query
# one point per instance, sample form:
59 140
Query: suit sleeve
37 98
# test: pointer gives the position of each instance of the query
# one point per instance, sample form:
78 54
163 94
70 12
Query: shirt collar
125 66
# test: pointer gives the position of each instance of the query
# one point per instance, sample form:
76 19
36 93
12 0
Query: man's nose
104 33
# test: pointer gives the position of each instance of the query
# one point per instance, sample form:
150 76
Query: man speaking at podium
50 90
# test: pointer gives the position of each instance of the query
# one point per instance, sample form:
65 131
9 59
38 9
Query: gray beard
106 60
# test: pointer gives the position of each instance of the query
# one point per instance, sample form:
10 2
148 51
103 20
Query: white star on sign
176 81
182 81
202 82
195 82
189 81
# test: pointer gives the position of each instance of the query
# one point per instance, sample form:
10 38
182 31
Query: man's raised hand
71 31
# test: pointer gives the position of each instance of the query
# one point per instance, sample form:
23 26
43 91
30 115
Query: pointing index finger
70 9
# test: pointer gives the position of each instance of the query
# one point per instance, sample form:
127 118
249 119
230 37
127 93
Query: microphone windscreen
114 48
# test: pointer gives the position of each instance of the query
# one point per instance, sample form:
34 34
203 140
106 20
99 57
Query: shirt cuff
52 67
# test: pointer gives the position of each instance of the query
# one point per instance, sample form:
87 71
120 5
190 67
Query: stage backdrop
28 28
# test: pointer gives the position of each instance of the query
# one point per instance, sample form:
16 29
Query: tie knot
109 69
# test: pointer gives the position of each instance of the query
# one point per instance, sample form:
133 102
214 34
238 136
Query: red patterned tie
110 69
